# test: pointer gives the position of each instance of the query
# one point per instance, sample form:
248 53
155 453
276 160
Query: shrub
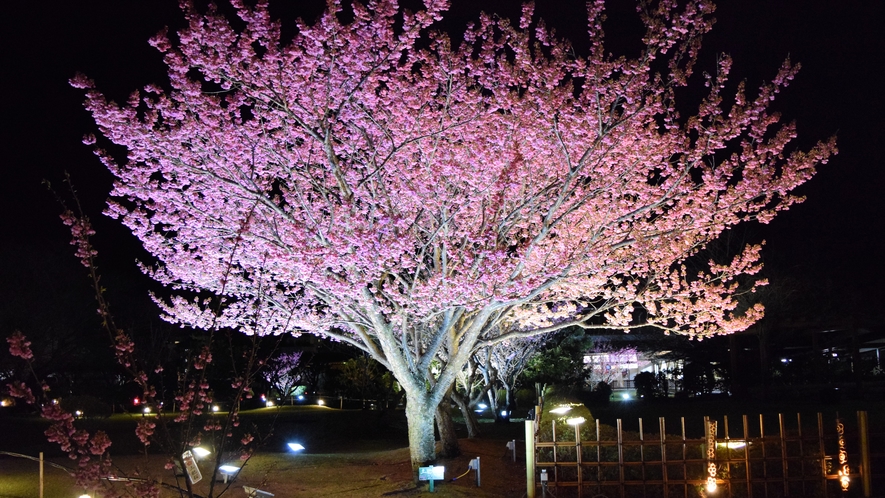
526 398
89 406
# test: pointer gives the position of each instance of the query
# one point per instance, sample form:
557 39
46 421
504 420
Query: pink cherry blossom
386 186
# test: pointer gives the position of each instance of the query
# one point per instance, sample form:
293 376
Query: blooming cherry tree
384 185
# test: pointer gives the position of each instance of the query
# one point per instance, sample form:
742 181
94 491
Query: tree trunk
469 416
447 435
422 445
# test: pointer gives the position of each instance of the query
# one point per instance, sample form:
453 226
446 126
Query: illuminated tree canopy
384 185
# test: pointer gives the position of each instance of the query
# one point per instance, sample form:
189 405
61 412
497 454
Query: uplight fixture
201 452
576 421
321 402
295 446
561 410
215 408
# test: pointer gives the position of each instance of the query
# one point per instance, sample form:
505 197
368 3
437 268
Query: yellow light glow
711 484
576 420
321 402
4 402
732 445
201 452
561 410
147 409
268 403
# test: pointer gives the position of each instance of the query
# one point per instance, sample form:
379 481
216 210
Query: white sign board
436 473
190 466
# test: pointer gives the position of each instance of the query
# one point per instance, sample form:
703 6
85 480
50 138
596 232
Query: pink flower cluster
19 346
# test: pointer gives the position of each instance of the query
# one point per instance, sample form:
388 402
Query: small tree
193 421
605 362
283 372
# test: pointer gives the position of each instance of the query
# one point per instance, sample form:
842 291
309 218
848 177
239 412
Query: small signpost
431 473
190 466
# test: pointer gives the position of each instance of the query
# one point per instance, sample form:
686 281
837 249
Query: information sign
432 473
190 466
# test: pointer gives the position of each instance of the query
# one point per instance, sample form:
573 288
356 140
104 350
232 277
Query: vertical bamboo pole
684 457
863 430
801 454
598 456
764 458
41 474
530 458
823 453
621 457
727 454
555 467
642 453
746 423
662 429
784 463
578 460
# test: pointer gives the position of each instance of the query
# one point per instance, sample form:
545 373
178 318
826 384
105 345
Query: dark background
832 244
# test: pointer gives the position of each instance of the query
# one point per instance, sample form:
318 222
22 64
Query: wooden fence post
530 458
863 430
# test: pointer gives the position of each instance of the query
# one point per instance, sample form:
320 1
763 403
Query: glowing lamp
576 420
229 469
295 446
268 403
561 410
201 452
215 408
711 484
300 397
482 406
147 409
626 395
321 402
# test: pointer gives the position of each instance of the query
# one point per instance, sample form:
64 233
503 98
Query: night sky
834 240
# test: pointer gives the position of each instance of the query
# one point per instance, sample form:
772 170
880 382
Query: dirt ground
356 474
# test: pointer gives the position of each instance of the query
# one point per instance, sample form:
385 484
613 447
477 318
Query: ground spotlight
295 446
201 452
711 484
